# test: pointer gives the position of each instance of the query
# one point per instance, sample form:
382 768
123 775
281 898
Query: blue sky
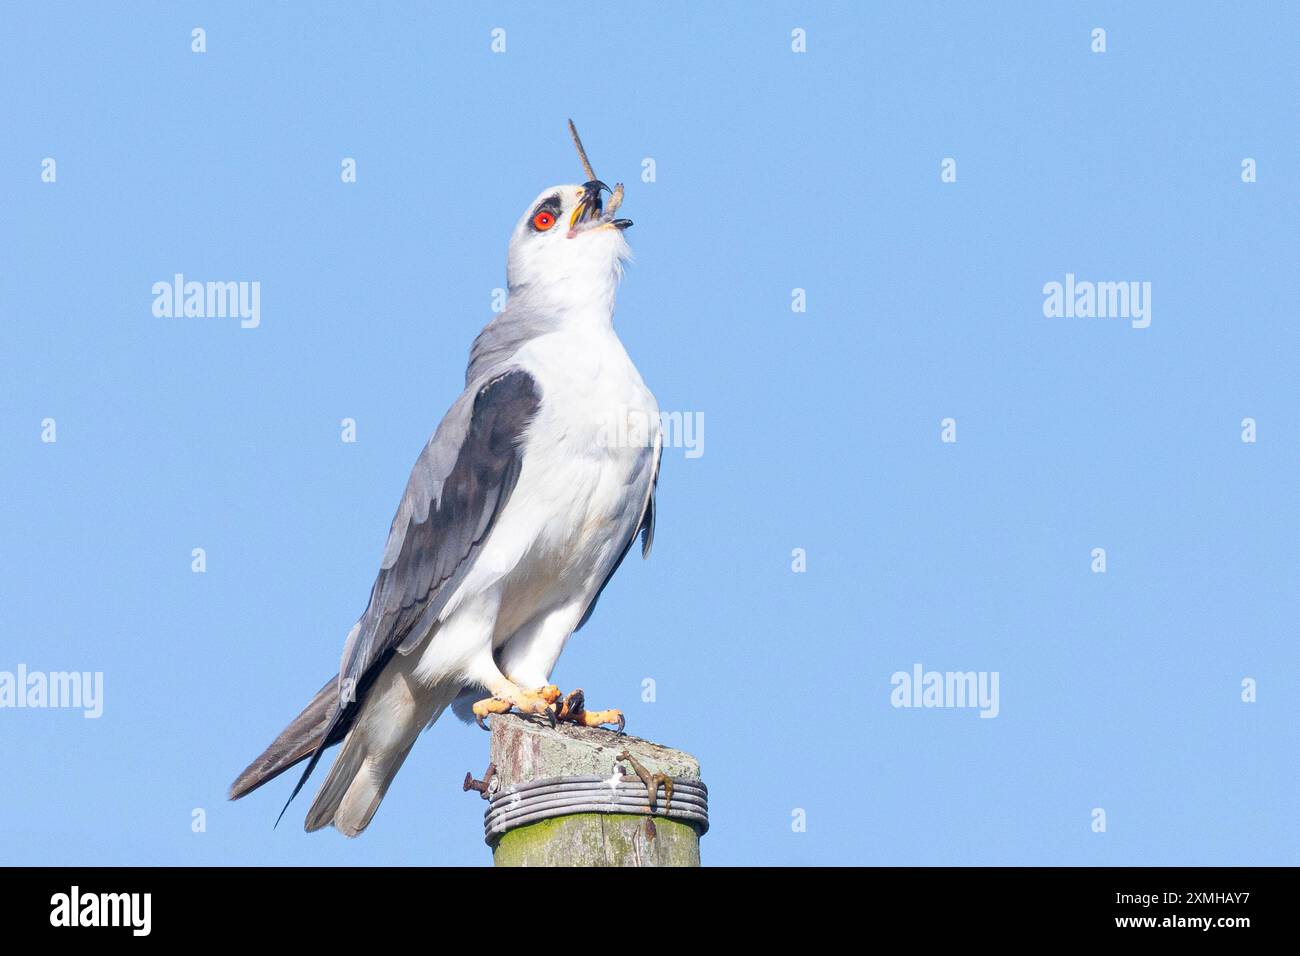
775 170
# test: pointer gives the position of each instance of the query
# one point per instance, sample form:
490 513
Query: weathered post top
578 796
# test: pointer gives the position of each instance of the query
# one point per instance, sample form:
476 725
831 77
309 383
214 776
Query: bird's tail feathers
365 766
296 742
355 786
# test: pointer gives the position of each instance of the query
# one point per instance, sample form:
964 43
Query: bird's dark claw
574 710
573 705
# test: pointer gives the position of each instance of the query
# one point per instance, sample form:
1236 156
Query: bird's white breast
586 473
587 466
591 435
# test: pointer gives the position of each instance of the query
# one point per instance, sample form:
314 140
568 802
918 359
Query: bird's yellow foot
574 709
540 701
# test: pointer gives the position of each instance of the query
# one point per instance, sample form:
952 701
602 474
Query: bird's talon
540 701
573 705
574 710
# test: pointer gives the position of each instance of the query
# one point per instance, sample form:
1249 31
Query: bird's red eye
543 221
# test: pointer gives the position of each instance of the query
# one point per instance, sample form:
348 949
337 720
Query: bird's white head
567 252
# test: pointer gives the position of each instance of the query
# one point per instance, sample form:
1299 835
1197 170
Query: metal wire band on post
560 796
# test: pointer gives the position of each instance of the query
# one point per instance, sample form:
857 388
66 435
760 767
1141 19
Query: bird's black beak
589 206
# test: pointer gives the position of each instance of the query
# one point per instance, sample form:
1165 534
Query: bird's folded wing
459 486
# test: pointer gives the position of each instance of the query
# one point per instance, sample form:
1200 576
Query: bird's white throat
576 279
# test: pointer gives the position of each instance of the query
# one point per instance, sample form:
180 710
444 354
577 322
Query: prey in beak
589 212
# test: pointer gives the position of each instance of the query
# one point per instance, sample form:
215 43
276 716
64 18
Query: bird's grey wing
460 484
645 526
443 521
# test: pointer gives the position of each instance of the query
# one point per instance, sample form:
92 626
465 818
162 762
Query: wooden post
525 750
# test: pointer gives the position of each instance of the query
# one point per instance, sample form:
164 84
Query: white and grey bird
518 511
